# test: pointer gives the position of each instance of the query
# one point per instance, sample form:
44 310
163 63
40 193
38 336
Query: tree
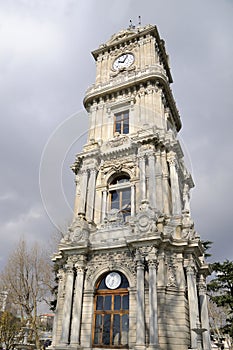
221 291
28 278
9 330
207 246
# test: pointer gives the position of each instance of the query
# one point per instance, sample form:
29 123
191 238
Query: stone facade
132 216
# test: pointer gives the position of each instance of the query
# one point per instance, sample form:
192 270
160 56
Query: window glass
99 303
125 303
120 198
117 302
106 330
116 339
125 329
107 302
115 200
111 315
98 326
121 123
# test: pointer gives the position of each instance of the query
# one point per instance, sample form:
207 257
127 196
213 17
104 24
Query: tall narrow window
121 123
120 195
111 313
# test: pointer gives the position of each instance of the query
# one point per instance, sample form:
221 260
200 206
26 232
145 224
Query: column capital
152 257
152 263
139 258
171 158
190 269
202 284
60 274
93 170
84 171
80 264
69 266
150 154
141 157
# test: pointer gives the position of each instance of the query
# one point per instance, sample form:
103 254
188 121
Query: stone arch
96 275
113 172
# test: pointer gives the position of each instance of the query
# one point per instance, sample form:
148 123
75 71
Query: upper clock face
123 61
113 280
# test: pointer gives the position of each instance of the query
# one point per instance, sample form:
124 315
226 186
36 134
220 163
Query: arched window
120 194
111 311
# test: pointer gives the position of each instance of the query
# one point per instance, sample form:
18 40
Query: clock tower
131 266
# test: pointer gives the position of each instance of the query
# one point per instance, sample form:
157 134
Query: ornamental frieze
111 260
171 273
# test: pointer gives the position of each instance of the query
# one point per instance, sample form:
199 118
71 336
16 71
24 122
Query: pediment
122 35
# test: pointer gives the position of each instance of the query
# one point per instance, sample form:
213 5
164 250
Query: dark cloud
46 66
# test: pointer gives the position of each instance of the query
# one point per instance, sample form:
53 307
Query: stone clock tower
131 267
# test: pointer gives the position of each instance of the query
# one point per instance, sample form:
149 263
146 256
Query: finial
131 25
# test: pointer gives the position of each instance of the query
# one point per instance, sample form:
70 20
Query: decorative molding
110 261
78 231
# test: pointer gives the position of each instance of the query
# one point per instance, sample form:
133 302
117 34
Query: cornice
153 74
124 80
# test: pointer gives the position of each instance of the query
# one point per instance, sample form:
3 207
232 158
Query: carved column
140 318
67 307
83 193
166 205
142 171
91 195
193 303
175 189
186 198
204 313
60 276
132 200
159 184
153 302
104 204
77 195
152 189
77 304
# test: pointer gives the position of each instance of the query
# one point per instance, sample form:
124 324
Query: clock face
123 61
113 280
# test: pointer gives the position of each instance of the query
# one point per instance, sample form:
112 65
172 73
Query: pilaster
91 195
153 301
142 174
60 276
140 317
193 303
67 307
152 183
77 303
175 189
83 194
203 302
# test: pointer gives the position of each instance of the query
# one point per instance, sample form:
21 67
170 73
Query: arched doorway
111 311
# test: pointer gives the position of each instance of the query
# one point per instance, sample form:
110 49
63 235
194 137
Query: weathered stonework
132 213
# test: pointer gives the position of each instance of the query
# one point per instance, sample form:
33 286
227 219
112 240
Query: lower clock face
123 61
113 280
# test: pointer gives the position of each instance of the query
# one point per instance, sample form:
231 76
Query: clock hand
122 59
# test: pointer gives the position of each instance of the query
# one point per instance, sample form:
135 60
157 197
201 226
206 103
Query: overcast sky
45 68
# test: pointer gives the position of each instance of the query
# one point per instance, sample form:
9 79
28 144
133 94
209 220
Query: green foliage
221 290
207 246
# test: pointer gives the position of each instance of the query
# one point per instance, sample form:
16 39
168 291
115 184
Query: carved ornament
111 260
78 231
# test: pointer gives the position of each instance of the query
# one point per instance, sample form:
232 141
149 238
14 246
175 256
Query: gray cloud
45 68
